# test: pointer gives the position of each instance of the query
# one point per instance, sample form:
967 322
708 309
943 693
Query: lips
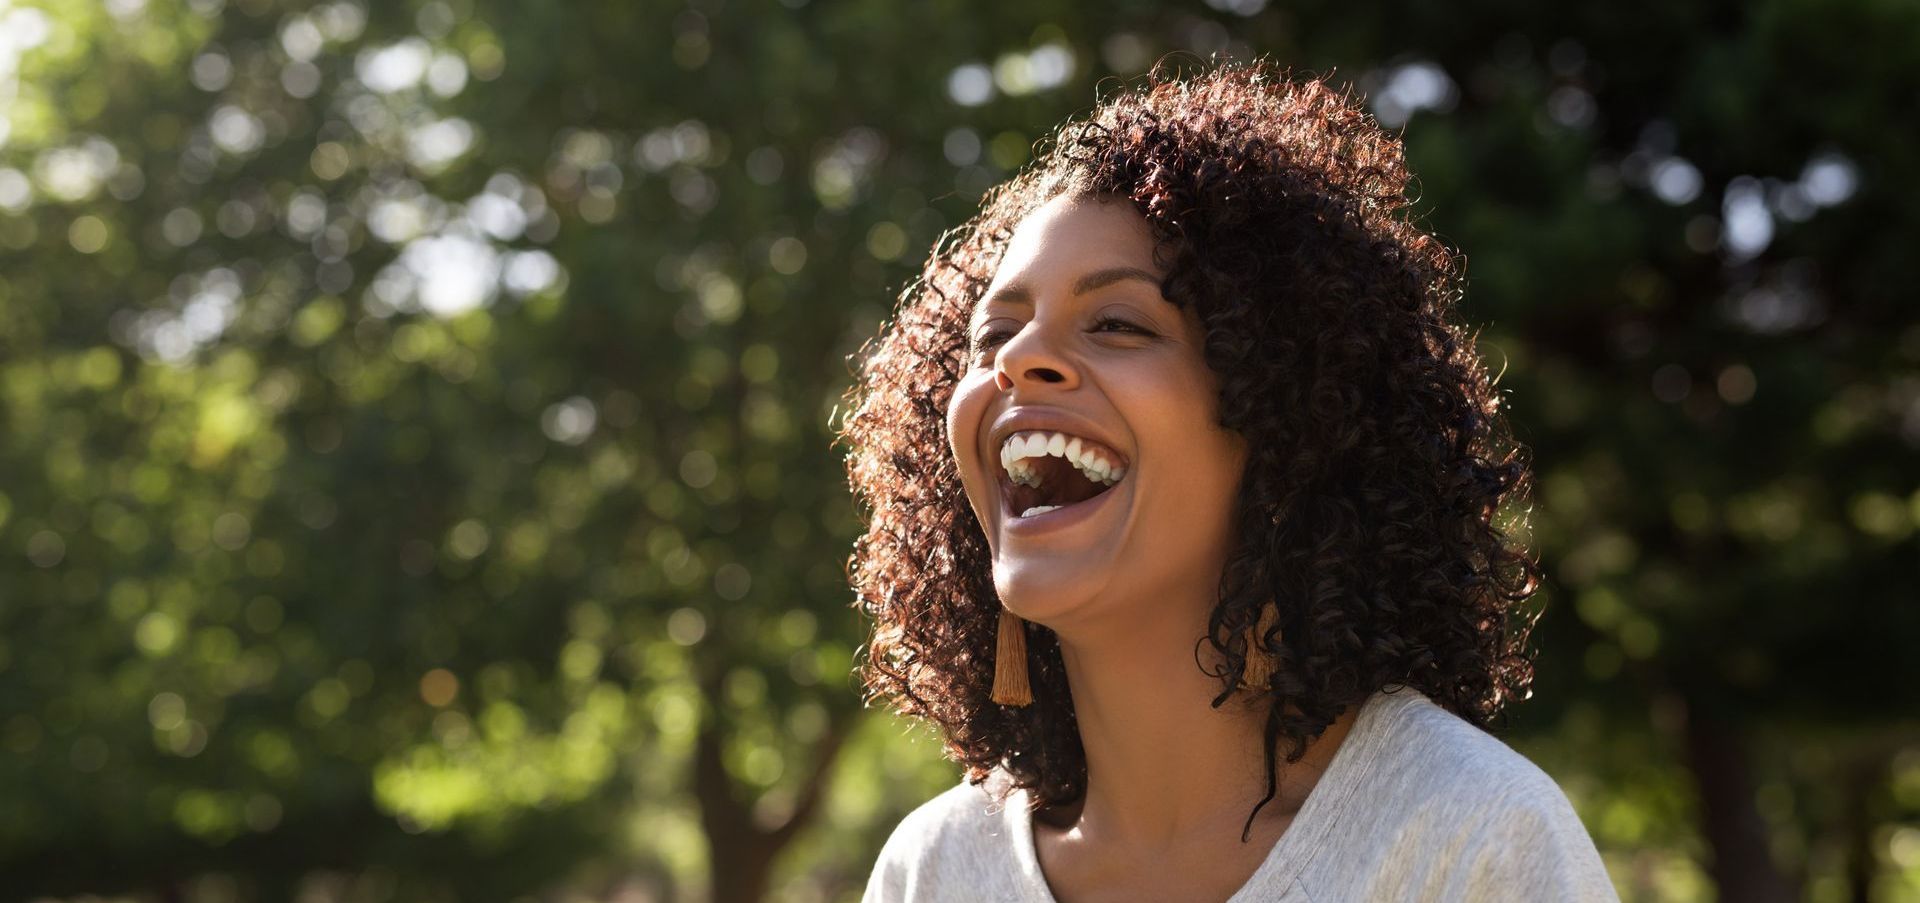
1071 497
1051 457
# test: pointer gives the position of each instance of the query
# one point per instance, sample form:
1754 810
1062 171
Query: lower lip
1060 518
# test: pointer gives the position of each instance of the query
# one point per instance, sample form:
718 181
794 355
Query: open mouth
1042 472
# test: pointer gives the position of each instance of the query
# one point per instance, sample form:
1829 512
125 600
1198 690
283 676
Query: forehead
1071 235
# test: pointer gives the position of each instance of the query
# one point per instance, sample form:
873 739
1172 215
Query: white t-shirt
1417 804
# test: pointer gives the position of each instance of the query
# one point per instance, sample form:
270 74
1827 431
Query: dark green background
416 478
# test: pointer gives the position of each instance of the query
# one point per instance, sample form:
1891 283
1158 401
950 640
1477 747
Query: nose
1030 358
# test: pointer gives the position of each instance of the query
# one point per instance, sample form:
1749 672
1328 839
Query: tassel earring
1010 662
1259 668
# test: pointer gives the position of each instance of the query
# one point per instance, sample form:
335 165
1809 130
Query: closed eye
997 336
1103 322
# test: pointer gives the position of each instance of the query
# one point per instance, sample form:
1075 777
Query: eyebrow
1015 293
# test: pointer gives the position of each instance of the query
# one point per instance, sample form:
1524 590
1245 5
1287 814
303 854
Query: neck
1165 768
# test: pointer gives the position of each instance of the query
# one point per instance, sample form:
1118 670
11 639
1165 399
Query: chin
1045 590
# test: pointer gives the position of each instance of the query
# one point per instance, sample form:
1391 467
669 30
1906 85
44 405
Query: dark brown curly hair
1371 506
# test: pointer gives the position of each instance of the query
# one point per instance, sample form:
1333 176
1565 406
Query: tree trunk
1859 834
1865 782
740 861
1743 867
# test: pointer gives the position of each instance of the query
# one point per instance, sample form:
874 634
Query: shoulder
1452 812
960 815
1441 764
958 833
1449 760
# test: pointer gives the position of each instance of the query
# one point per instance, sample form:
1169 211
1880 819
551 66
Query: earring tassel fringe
1010 685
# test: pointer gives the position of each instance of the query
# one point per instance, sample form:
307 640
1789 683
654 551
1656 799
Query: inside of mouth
1061 484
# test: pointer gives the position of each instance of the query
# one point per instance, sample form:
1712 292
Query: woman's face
1074 338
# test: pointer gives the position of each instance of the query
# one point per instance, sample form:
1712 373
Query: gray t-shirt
1417 804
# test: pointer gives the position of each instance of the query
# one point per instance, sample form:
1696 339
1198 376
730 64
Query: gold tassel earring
1010 662
1259 668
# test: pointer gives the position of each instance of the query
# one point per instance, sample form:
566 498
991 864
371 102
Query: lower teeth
1038 509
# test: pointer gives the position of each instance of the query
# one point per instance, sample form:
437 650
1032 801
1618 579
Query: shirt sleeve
894 869
1532 846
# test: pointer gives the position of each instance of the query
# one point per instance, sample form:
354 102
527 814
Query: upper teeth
1090 459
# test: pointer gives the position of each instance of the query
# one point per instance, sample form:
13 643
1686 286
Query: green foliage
414 417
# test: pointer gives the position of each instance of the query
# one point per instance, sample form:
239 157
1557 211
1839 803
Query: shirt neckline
1348 770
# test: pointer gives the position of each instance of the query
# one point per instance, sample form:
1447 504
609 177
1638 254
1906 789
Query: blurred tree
1689 268
416 481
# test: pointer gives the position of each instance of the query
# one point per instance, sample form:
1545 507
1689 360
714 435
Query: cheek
964 414
1171 397
966 418
1179 410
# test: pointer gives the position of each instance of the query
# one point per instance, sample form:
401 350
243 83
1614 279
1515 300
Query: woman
1183 482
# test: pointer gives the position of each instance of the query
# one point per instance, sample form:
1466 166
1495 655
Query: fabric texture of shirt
1416 804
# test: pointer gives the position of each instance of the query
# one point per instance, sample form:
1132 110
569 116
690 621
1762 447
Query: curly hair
1371 505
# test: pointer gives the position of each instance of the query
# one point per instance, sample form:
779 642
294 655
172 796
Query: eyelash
994 338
